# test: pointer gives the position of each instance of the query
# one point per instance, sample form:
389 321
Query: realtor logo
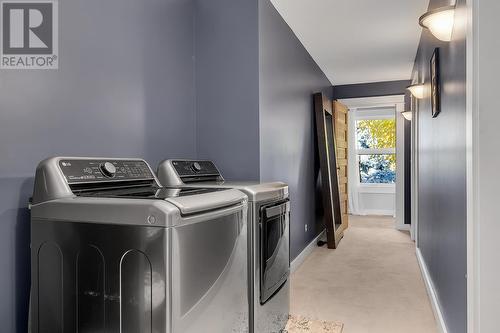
29 35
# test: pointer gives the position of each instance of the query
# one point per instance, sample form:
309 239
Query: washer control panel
90 170
195 168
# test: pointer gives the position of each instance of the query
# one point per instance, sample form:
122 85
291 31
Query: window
376 149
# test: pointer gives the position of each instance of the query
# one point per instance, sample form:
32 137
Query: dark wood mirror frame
327 152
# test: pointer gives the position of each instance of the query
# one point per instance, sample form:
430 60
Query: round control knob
196 167
108 169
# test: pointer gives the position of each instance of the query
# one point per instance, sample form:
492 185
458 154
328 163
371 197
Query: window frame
375 113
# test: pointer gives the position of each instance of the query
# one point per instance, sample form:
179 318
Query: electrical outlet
305 227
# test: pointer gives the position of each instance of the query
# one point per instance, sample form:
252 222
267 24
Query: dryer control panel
195 168
96 170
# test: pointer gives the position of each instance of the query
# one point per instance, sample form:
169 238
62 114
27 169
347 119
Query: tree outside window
376 150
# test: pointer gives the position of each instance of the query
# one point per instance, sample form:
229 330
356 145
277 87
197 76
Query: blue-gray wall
371 89
442 173
288 78
158 79
254 86
124 88
227 86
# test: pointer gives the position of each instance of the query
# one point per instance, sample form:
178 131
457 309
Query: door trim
472 152
397 102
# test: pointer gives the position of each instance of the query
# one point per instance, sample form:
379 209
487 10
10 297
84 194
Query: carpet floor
371 282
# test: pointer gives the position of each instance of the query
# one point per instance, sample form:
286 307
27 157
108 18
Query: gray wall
245 53
372 89
157 79
442 173
407 158
124 88
227 86
288 78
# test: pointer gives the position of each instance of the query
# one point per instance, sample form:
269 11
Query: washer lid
145 192
188 200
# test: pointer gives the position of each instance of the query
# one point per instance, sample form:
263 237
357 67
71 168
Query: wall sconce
417 90
407 115
440 22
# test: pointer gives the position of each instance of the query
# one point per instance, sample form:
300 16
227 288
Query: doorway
376 157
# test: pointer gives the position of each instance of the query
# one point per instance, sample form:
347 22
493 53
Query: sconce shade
407 115
417 90
440 22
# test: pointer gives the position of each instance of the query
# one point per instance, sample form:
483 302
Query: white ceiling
357 41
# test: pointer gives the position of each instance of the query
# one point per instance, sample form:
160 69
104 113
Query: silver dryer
268 232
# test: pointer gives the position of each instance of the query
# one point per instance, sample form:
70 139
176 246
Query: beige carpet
371 283
299 324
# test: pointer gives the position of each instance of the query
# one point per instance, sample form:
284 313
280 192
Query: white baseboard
305 252
405 227
431 291
376 212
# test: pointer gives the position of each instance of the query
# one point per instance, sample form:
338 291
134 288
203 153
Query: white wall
400 167
483 168
377 201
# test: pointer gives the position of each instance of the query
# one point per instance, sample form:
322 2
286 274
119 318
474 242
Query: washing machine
112 251
268 232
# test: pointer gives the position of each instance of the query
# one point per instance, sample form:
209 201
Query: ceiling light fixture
417 90
439 22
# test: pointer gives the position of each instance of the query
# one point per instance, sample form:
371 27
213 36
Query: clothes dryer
269 237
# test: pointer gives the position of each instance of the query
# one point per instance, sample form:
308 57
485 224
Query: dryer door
274 248
209 272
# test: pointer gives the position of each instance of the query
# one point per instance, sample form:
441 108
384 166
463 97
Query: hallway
371 283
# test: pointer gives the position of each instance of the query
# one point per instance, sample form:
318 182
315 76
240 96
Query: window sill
377 188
